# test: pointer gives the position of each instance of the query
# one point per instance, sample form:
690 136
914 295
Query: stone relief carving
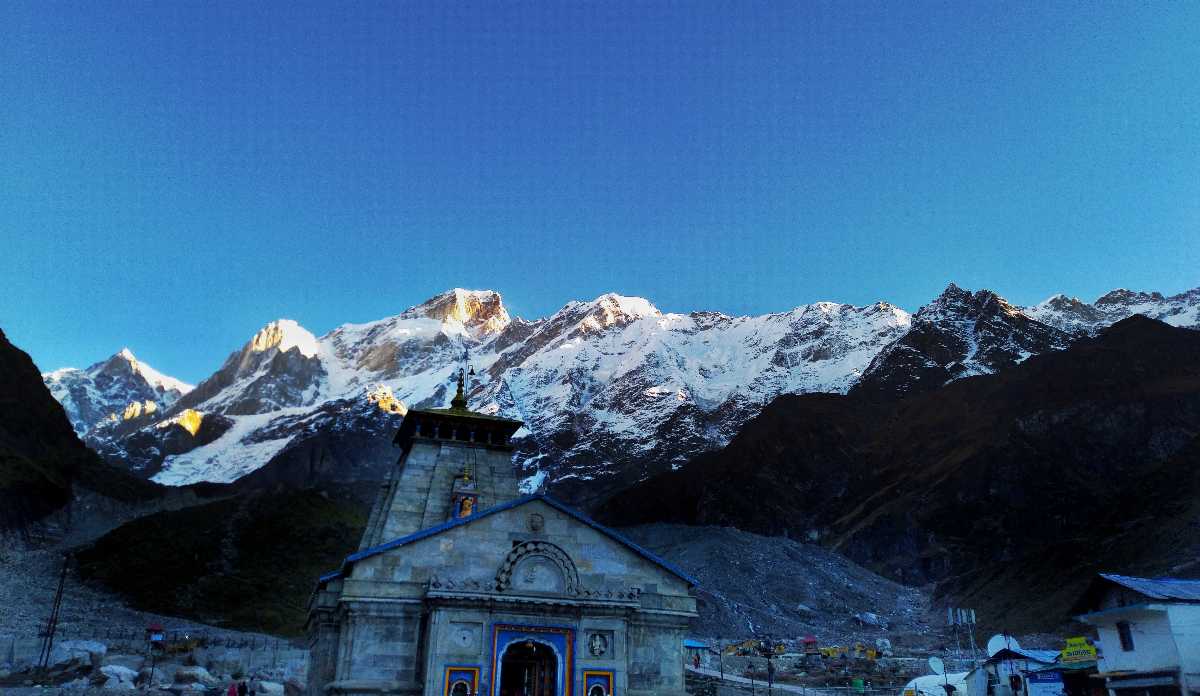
538 566
598 644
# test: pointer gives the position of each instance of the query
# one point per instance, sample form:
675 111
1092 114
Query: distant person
242 689
696 660
232 690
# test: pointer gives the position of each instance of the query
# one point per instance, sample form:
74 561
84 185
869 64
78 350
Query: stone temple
463 586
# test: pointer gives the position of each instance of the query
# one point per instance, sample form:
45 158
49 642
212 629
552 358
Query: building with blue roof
1148 633
463 586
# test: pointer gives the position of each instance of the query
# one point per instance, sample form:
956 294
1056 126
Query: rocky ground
29 581
752 585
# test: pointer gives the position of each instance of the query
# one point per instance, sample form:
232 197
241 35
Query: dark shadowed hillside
247 562
42 461
1011 486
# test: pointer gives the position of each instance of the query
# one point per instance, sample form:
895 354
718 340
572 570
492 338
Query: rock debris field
29 580
752 585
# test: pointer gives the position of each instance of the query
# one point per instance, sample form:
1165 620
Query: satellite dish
1001 641
936 664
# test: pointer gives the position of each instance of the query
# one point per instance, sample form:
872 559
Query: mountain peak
959 301
127 354
630 306
284 334
612 309
1124 296
482 310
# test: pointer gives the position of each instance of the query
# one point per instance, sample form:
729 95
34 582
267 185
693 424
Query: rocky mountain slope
118 388
959 334
43 464
246 562
611 391
1008 490
1073 316
754 585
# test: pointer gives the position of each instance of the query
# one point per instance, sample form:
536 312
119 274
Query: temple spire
459 402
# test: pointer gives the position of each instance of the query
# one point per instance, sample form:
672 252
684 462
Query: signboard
1078 649
1044 684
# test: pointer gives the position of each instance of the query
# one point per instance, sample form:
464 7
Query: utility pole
770 648
52 622
971 633
952 616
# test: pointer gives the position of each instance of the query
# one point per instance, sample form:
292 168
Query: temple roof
502 428
348 564
497 430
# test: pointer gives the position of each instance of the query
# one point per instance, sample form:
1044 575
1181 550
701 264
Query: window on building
1126 633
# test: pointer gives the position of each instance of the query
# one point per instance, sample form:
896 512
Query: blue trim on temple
438 529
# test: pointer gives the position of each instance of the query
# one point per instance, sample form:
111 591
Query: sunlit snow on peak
285 334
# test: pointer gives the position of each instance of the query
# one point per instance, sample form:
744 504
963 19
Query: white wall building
1149 634
1005 671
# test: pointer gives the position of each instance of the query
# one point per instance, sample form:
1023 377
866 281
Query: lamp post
769 647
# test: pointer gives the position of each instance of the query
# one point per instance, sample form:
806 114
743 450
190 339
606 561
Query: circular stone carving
538 566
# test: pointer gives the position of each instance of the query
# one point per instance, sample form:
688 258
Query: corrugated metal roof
1043 656
1159 588
1047 656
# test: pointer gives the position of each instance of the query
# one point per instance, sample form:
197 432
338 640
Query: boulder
133 662
87 652
118 677
268 687
195 675
233 669
80 683
164 674
872 619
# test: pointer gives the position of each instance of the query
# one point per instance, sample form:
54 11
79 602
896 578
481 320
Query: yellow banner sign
1078 650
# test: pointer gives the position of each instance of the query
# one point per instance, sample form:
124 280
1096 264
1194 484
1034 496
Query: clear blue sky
175 174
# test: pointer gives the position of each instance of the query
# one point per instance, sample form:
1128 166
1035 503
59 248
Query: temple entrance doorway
528 668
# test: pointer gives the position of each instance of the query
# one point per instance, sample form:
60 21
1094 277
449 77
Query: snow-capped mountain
603 386
610 390
958 335
1074 316
116 388
277 368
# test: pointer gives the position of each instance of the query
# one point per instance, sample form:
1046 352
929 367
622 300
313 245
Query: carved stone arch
533 560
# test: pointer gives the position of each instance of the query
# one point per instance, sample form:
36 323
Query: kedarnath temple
461 586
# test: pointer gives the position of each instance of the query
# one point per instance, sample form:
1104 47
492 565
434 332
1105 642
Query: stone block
118 677
195 675
133 662
88 652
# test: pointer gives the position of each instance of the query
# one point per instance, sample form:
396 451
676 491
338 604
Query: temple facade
462 586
